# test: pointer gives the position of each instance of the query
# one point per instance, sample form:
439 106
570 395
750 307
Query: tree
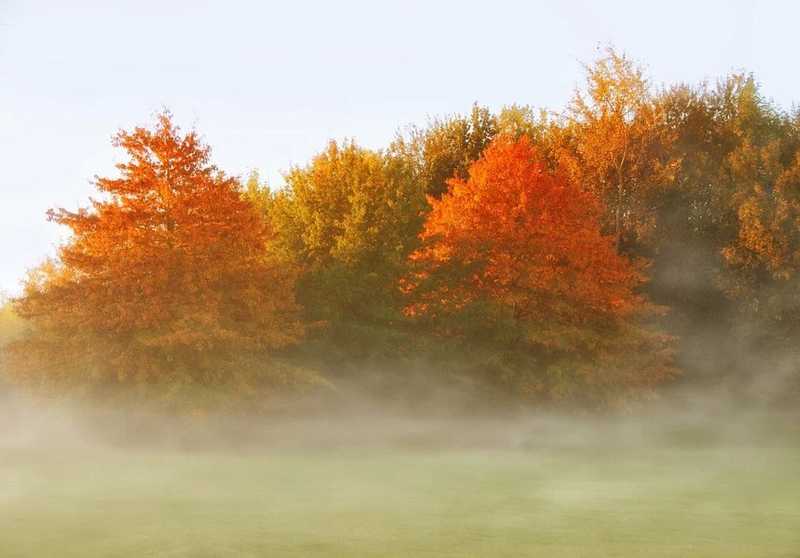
524 246
349 220
166 278
621 148
763 258
447 147
258 193
732 185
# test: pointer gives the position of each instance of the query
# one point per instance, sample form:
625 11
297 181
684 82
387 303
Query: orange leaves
171 264
514 259
518 235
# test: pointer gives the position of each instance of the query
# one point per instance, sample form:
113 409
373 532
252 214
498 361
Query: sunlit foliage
528 243
447 146
165 277
348 221
620 145
561 255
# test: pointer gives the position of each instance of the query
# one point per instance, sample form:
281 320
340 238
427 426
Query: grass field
577 500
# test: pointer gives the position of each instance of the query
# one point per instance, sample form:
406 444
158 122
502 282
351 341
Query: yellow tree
764 258
349 220
620 146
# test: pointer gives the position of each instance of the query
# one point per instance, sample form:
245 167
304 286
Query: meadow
554 491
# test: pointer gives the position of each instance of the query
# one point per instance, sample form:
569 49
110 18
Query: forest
640 239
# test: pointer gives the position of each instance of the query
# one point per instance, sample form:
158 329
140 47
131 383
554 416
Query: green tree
349 219
447 146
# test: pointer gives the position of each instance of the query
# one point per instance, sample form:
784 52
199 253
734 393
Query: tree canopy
516 236
166 275
589 254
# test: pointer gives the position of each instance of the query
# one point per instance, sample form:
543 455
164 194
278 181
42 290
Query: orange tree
513 259
165 278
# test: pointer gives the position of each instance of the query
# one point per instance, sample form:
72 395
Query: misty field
679 497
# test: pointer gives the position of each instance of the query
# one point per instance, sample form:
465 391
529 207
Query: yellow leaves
619 145
767 235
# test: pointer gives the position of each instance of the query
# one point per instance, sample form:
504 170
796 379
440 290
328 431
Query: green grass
551 502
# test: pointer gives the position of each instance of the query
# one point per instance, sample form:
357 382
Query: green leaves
349 219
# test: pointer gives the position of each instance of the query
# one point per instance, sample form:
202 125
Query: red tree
523 239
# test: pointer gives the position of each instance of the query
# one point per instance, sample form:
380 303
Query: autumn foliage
589 255
349 220
526 240
166 276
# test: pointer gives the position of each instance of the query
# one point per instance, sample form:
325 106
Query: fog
681 417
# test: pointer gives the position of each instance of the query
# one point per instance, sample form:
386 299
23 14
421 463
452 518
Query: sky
267 83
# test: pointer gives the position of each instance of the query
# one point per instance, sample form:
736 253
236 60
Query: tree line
640 238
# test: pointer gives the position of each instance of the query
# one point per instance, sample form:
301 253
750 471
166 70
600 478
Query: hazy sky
267 83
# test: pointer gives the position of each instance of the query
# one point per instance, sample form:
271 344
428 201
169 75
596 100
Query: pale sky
268 83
